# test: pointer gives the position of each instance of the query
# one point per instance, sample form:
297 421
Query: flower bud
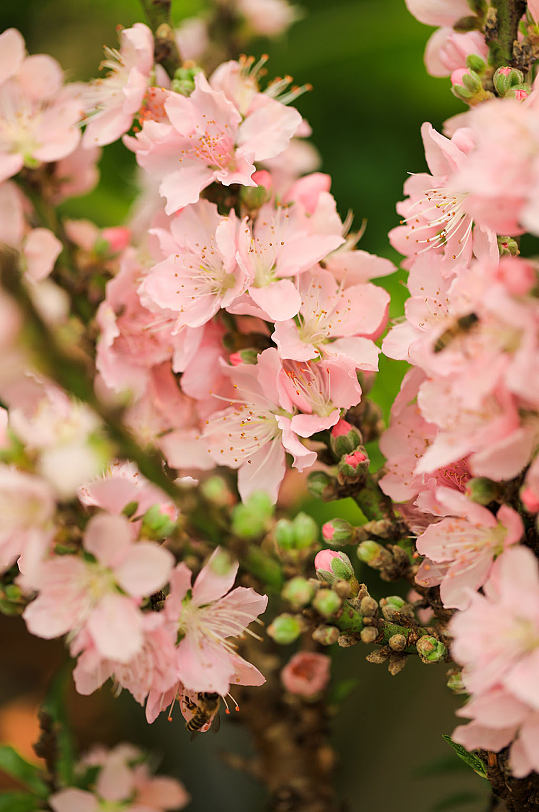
156 524
306 674
337 532
455 683
505 78
430 649
392 605
475 63
319 484
326 635
397 642
508 246
373 554
331 566
518 92
305 531
246 356
369 634
253 197
298 592
481 490
344 438
530 499
216 491
184 80
343 589
327 602
285 629
251 518
353 467
368 606
284 534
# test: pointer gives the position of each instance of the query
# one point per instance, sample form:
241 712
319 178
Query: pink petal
523 678
180 582
267 131
145 569
115 779
264 471
10 163
12 51
41 250
109 538
203 666
116 627
512 522
279 300
74 800
211 584
162 792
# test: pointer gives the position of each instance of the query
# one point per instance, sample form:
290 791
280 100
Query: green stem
508 15
76 376
166 51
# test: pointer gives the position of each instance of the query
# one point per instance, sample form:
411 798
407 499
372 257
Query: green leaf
17 767
471 759
457 799
55 717
18 802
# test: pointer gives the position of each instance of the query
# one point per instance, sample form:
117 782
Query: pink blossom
438 12
306 673
122 484
200 274
206 616
38 117
27 506
192 38
334 321
466 543
447 50
112 102
497 638
255 430
436 213
268 17
213 142
41 250
76 594
500 720
77 173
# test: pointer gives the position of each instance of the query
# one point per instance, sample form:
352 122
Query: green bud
216 491
184 80
505 78
481 490
246 356
326 635
430 649
319 484
305 531
462 93
344 438
472 82
455 683
285 629
373 554
284 534
337 532
251 518
157 525
298 592
520 92
327 602
475 63
393 604
508 246
253 197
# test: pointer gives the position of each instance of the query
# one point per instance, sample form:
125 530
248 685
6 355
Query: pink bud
263 178
505 71
328 531
517 275
520 95
235 359
118 238
340 428
456 76
529 499
324 558
355 458
306 673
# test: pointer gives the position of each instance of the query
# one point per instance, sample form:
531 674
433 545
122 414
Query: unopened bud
343 589
530 499
368 606
481 490
344 438
373 554
305 531
245 356
319 484
508 246
326 635
505 78
369 634
518 92
285 629
475 63
157 524
455 683
337 532
430 649
397 642
251 518
332 566
284 534
253 197
298 592
391 606
353 467
327 602
216 491
184 80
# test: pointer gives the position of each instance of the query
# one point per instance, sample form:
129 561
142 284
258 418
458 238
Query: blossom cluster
462 445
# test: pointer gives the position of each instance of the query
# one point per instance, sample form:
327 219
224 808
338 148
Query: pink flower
122 484
38 117
437 216
500 720
213 142
200 274
306 673
268 17
333 321
447 50
77 173
254 432
438 12
206 617
497 638
113 101
466 544
27 507
76 594
41 250
122 782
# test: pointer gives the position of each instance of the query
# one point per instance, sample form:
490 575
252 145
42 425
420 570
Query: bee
460 326
204 711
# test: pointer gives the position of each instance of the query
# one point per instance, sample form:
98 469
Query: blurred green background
370 95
